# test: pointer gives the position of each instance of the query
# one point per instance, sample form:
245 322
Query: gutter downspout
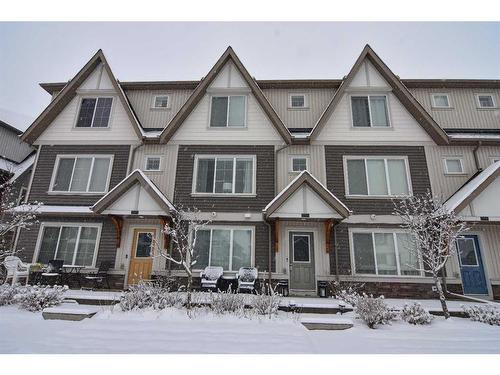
131 156
270 257
337 276
476 158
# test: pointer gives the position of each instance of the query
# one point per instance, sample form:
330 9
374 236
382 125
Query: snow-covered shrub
168 299
373 311
7 294
36 298
415 314
149 295
266 303
483 313
227 302
346 291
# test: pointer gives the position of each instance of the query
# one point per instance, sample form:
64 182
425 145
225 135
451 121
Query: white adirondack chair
16 269
210 277
246 278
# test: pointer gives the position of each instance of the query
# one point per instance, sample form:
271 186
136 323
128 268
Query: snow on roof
473 136
7 165
22 167
305 172
53 209
465 191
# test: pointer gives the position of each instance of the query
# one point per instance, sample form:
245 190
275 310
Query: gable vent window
454 166
153 163
228 111
440 101
298 163
161 101
485 101
94 113
369 111
297 101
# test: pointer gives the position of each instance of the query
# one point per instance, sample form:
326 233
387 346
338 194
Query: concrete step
69 311
325 323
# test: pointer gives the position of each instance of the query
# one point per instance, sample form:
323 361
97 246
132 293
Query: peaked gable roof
69 92
137 176
399 90
306 178
200 90
472 188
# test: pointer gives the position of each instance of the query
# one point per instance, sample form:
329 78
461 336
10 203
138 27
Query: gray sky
31 53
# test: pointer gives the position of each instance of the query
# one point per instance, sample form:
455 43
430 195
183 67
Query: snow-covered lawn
171 331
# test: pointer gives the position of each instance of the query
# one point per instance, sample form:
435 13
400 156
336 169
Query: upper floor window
82 173
377 176
224 174
153 163
369 111
384 253
229 248
297 101
441 101
74 244
228 111
161 101
298 163
94 113
453 165
485 101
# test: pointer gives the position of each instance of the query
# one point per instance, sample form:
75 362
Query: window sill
368 128
225 128
74 193
487 108
462 174
298 108
153 170
85 128
227 195
377 196
160 108
443 108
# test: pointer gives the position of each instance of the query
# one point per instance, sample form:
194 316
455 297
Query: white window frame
396 249
478 103
306 102
389 122
87 192
43 225
153 104
309 235
387 179
91 127
231 228
222 156
147 157
227 115
293 157
23 188
460 159
433 100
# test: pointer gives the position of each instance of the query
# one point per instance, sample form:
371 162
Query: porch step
326 324
69 311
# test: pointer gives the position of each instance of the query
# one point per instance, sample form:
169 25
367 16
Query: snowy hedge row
31 298
483 313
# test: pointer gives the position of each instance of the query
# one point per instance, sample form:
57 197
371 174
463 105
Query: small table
229 281
73 270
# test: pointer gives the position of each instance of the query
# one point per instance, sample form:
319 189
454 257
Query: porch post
118 221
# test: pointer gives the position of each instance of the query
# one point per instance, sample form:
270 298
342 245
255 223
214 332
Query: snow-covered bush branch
483 313
415 314
31 298
373 311
227 302
433 231
266 303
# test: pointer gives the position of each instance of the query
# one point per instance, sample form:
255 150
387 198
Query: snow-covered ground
171 331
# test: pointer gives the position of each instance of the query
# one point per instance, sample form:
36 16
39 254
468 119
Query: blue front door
471 265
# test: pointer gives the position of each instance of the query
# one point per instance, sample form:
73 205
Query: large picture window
74 244
384 253
377 176
94 113
82 174
225 175
229 248
228 111
369 111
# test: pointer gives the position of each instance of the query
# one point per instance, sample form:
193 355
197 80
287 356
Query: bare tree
433 233
183 232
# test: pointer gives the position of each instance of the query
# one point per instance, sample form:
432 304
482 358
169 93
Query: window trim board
153 103
67 156
306 101
290 162
433 100
66 224
478 103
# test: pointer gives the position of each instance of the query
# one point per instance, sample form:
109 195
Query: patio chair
54 272
247 276
210 278
16 269
100 276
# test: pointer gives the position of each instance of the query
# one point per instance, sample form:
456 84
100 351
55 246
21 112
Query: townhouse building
298 177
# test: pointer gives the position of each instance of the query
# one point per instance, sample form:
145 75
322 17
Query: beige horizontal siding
164 179
142 101
316 155
464 112
318 100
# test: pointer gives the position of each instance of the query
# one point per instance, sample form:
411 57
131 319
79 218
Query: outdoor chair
100 276
247 276
210 278
16 269
53 275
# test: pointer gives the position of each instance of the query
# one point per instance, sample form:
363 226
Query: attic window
228 111
440 101
94 113
153 163
454 166
485 101
161 101
297 101
369 111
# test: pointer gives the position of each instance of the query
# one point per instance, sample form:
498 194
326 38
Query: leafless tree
183 232
433 233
